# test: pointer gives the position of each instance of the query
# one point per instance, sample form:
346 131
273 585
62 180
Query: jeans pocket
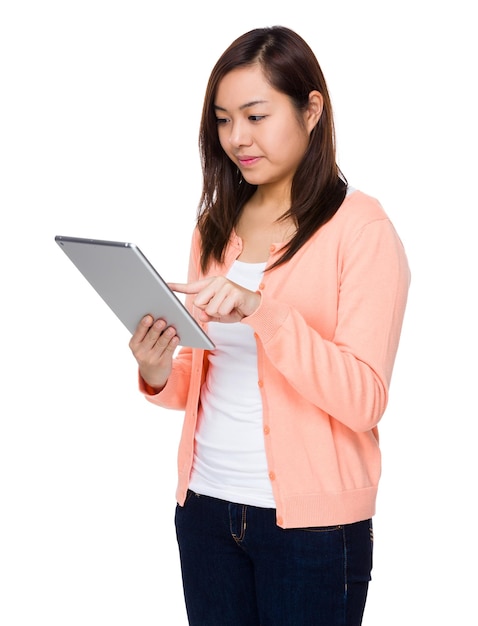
321 529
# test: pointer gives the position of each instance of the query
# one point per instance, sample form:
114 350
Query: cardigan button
272 475
267 430
280 521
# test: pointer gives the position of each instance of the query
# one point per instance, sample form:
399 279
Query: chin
254 180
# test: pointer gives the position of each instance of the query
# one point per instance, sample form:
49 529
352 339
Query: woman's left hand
219 299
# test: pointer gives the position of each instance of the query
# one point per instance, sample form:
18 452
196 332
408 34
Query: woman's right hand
153 344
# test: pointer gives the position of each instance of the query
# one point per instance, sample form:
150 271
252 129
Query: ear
314 110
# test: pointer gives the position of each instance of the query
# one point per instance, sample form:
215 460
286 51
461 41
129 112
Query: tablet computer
131 287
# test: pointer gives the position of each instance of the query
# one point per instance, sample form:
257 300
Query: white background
99 113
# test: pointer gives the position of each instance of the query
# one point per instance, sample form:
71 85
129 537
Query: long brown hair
318 186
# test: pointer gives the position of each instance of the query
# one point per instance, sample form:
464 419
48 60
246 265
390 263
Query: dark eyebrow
243 106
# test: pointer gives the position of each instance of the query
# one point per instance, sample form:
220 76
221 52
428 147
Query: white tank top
229 459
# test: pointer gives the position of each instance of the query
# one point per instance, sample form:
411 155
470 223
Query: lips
247 160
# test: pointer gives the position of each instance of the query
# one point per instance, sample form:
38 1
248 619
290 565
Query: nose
239 134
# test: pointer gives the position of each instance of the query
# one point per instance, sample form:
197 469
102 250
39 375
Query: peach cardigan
327 332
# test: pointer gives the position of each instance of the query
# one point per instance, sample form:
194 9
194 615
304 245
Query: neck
270 202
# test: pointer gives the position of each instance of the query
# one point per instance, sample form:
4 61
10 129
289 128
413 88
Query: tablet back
131 287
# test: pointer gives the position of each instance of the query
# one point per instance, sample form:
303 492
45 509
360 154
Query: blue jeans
240 569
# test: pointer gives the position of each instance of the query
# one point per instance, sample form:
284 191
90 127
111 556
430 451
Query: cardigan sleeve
347 376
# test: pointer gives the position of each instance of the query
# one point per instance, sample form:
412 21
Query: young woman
301 282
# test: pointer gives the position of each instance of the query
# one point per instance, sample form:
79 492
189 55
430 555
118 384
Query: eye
257 118
221 120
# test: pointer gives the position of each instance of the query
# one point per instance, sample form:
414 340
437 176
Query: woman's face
259 129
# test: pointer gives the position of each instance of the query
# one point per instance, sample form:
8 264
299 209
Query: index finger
189 288
142 329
